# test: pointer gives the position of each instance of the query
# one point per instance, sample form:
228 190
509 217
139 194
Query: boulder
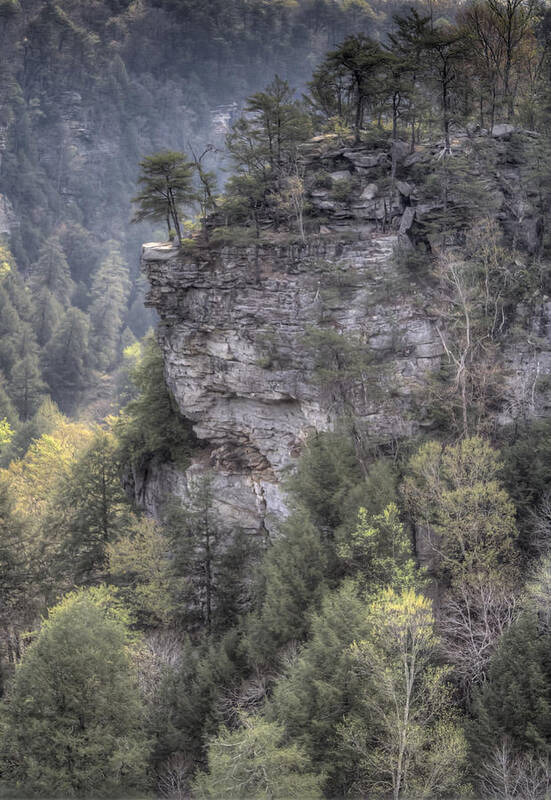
407 220
404 188
370 192
340 175
8 220
400 150
502 131
414 158
365 160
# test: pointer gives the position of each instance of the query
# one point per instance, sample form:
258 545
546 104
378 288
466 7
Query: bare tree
539 591
474 614
513 23
174 778
293 198
541 529
508 775
160 649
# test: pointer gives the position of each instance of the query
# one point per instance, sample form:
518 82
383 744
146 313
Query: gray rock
8 220
159 251
233 323
400 150
414 158
503 131
366 160
370 191
407 220
340 175
404 188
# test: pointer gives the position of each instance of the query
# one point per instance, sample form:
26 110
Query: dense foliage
393 639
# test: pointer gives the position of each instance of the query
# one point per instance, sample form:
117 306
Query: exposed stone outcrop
235 324
8 220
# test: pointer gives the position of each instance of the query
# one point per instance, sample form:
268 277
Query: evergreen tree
328 473
93 509
263 146
66 358
514 704
166 180
73 722
365 62
187 706
11 328
293 574
321 687
52 272
407 41
48 313
17 592
209 561
110 287
276 123
446 49
151 423
255 762
7 409
26 386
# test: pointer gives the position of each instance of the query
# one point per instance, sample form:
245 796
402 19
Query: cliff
265 344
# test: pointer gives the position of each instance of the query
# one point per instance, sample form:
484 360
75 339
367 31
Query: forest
388 634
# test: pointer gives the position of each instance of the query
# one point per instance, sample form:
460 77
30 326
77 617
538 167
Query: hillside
275 498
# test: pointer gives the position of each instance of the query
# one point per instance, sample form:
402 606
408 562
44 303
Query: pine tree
209 561
73 722
514 704
110 287
17 581
364 62
166 180
321 686
293 573
7 409
66 358
27 388
92 508
48 313
52 272
187 707
151 423
255 762
11 327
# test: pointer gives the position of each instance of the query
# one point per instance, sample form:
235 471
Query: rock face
234 335
251 335
8 220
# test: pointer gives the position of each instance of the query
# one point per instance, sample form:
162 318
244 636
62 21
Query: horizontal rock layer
238 327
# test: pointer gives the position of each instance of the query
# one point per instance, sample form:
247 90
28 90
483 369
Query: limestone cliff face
238 329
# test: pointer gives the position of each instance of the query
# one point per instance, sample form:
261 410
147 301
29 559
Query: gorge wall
266 343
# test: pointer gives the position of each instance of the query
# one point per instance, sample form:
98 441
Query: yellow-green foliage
7 263
255 762
140 561
408 743
6 432
456 492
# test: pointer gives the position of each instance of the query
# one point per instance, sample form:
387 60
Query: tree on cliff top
166 180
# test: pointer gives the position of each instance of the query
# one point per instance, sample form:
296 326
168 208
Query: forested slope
87 90
354 330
